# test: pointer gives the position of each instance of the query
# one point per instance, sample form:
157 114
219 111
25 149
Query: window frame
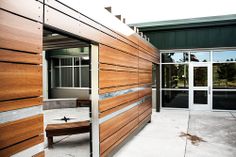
73 66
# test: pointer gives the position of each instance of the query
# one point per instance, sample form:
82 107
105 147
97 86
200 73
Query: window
70 72
176 99
174 57
224 100
175 76
200 56
224 75
224 56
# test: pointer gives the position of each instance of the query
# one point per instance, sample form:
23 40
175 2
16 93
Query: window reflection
200 76
175 76
224 100
154 79
175 57
176 99
224 75
200 97
224 56
200 56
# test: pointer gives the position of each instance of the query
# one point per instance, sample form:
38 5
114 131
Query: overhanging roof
187 23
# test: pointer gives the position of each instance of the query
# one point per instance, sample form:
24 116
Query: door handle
209 90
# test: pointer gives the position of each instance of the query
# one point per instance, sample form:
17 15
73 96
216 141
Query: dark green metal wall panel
189 38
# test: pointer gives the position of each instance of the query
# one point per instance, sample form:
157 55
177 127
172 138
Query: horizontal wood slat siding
21 146
20 130
21 103
20 75
145 92
145 114
111 148
132 40
109 103
20 81
31 9
113 125
117 78
114 66
144 106
118 135
19 57
145 78
21 34
85 30
117 88
125 62
112 56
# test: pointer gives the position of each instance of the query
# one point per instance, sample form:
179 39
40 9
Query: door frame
193 106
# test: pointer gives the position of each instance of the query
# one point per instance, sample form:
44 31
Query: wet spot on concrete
195 140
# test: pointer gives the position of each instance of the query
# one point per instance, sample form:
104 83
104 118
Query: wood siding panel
20 57
20 130
144 106
31 9
144 64
140 125
113 102
145 92
21 103
107 112
112 56
83 30
111 126
112 89
145 78
20 81
118 135
145 114
21 34
133 40
21 146
117 78
116 68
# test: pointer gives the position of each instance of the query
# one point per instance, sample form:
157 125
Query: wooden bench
66 129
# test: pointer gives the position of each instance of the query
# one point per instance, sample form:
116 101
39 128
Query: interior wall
21 78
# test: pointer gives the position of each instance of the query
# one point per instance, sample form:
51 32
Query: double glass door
200 86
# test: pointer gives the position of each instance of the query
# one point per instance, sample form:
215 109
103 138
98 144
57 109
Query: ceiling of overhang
53 40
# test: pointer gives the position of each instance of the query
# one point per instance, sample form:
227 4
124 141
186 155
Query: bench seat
66 129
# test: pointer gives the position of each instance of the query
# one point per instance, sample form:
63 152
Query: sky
138 11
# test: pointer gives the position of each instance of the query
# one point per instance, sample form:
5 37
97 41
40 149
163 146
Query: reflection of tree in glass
227 72
168 57
200 76
175 57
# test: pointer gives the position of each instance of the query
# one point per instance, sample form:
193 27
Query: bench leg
50 142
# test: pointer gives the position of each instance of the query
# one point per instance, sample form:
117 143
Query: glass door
200 86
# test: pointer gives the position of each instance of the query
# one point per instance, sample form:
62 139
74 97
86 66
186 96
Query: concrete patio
162 138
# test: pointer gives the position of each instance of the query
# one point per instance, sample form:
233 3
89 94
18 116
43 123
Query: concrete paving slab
234 114
160 137
218 129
